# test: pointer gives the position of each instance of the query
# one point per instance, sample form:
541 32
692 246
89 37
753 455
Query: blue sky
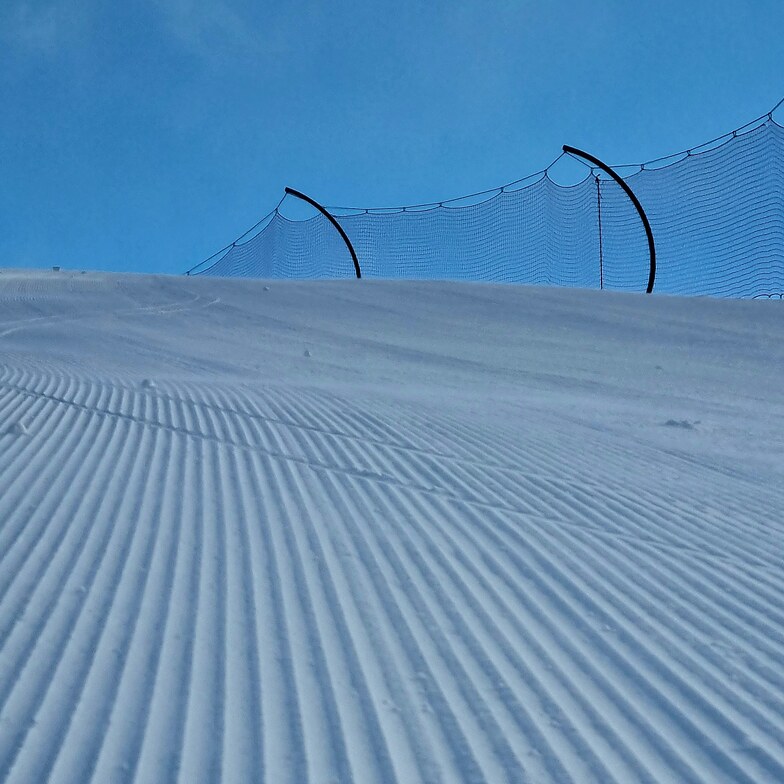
143 136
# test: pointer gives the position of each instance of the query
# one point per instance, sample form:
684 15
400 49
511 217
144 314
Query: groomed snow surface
368 531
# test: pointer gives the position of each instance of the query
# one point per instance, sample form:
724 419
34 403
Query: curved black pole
635 202
323 211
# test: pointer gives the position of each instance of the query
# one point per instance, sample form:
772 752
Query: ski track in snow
221 562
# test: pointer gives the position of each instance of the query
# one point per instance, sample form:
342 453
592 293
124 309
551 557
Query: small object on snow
684 424
55 269
148 383
266 288
17 429
306 353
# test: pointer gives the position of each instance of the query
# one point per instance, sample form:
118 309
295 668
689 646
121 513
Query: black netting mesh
717 218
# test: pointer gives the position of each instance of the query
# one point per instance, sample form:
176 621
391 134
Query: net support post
323 211
635 201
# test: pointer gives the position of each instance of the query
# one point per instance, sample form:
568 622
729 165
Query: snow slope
368 531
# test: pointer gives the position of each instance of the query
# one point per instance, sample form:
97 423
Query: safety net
716 213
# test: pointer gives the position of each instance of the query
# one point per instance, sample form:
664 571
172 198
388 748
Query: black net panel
543 233
717 218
